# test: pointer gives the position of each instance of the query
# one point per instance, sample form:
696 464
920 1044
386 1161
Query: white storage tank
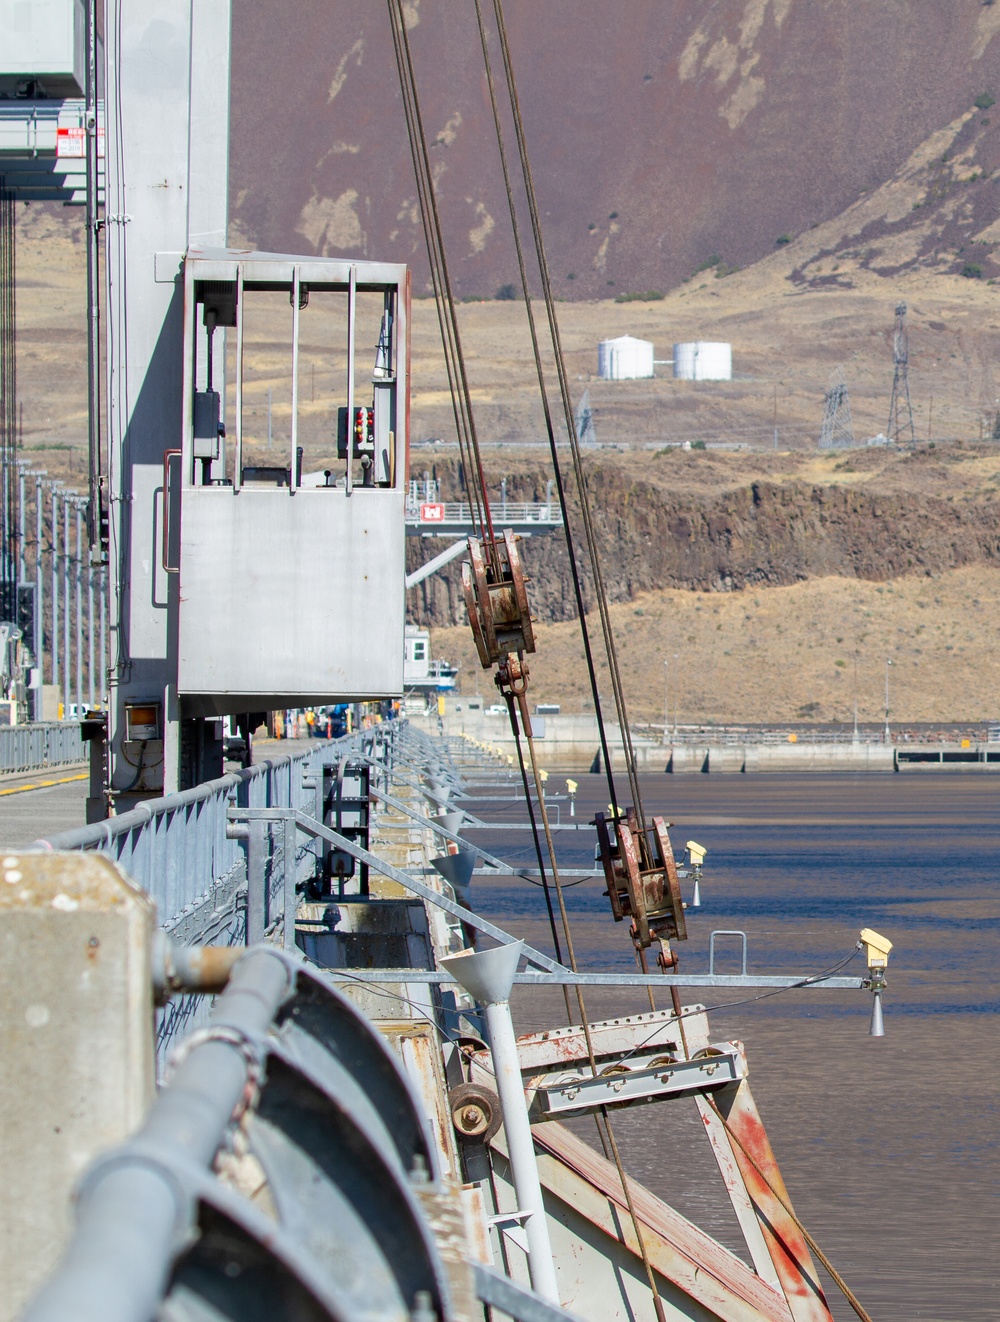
624 359
703 360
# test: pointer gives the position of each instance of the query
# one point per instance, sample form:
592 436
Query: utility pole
887 734
775 415
677 692
666 699
900 428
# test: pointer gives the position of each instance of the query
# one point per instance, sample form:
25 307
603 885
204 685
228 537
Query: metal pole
666 700
133 1214
90 637
488 976
39 620
103 611
55 586
887 665
78 573
677 693
67 636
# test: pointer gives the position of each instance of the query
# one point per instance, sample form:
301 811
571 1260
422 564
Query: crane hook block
497 601
641 874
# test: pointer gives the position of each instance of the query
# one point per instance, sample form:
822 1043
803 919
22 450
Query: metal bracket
711 948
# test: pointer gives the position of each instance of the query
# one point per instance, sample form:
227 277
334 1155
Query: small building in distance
624 359
703 360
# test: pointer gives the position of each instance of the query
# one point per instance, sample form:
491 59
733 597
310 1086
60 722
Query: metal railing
40 745
510 511
182 852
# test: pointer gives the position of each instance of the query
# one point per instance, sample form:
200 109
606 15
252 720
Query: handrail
165 543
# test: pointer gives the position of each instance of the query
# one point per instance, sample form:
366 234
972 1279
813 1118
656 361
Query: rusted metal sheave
497 604
642 877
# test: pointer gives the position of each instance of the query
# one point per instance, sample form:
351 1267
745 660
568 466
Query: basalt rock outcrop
764 531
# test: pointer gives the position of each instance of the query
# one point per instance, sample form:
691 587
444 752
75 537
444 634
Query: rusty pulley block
642 877
497 601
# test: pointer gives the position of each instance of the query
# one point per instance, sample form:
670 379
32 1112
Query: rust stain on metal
786 1245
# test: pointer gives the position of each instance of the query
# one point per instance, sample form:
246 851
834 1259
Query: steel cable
582 494
835 1276
443 288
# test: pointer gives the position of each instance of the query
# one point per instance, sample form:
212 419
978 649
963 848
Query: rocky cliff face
915 518
662 135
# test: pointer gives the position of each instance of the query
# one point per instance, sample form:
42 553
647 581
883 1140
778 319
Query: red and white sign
432 514
73 142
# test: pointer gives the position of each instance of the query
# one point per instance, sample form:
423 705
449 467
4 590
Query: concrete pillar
76 1043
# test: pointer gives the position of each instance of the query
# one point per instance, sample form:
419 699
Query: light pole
666 700
677 692
888 663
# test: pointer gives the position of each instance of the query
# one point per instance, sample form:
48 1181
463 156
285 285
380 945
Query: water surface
888 1146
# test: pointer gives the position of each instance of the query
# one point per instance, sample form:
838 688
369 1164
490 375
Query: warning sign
432 514
72 142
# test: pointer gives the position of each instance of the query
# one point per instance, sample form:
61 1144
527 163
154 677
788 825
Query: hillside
797 653
660 135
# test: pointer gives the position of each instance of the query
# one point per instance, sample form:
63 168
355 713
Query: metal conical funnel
696 898
877 1026
450 821
487 975
457 868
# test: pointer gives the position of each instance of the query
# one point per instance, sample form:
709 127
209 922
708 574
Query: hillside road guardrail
40 745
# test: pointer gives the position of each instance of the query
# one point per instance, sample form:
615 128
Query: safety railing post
256 881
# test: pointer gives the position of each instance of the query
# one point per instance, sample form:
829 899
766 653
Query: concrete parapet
573 742
76 1043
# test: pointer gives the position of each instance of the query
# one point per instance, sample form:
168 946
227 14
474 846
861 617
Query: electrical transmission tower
585 430
836 433
900 430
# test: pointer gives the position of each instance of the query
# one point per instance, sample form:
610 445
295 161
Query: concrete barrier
573 742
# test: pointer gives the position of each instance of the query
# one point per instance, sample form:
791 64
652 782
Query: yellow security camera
696 853
877 948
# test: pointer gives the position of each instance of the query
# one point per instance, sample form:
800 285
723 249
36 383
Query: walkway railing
39 745
183 851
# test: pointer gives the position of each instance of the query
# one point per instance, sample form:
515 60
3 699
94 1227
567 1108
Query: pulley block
475 1112
497 602
641 875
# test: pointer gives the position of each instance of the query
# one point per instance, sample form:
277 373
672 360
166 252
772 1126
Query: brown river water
889 1147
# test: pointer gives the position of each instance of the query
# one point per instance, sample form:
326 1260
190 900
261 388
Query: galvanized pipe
133 1215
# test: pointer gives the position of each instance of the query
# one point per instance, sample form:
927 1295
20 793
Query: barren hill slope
661 135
